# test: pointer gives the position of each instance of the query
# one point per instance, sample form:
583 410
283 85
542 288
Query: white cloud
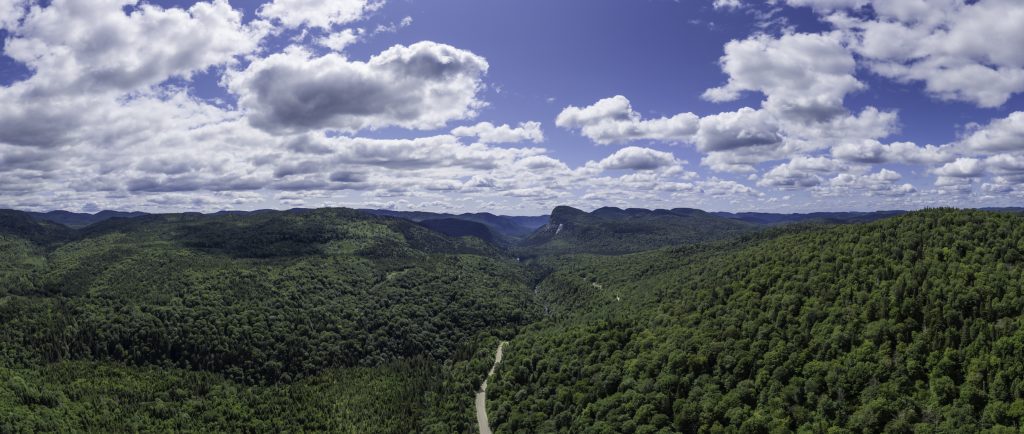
882 183
11 11
393 27
1005 164
1006 134
828 5
722 187
874 152
338 41
966 51
801 171
743 128
77 47
961 168
637 158
422 86
613 121
486 132
804 76
727 4
318 13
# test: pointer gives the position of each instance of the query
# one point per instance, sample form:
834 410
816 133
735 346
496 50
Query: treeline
911 324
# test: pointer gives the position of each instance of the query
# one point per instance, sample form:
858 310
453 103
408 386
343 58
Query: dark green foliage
504 227
21 225
335 320
287 316
459 228
81 220
617 231
762 218
912 324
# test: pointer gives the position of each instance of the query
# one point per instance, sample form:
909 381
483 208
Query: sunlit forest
341 321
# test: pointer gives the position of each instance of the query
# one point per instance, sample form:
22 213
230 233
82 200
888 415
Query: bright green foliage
912 324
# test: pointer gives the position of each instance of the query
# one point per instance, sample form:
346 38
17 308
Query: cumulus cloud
318 13
947 44
743 128
1006 134
801 171
874 152
805 79
486 132
637 158
338 41
89 47
723 187
803 76
961 168
613 120
881 183
85 57
421 86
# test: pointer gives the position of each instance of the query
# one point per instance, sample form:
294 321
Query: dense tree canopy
337 320
321 303
908 324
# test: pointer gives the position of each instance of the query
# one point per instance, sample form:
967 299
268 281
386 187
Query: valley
621 321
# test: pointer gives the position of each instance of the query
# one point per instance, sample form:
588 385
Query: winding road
481 395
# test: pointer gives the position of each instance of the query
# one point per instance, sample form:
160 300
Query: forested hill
81 220
615 231
507 228
339 320
910 324
763 218
191 322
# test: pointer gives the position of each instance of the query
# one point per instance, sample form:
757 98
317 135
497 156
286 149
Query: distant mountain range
567 229
79 219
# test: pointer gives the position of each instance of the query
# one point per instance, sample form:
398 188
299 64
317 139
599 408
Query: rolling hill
250 311
761 218
618 320
81 220
508 228
616 231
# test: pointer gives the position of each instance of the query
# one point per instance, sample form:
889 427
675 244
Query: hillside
21 225
910 324
328 318
508 228
200 310
459 228
616 231
762 218
81 220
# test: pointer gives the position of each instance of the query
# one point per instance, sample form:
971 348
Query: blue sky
511 107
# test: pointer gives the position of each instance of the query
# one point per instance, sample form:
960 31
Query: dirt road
481 395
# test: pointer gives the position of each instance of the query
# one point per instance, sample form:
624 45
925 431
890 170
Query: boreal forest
615 321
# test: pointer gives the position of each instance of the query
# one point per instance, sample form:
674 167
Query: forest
622 321
326 320
910 324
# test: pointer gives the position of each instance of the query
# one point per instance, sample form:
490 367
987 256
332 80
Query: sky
511 107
